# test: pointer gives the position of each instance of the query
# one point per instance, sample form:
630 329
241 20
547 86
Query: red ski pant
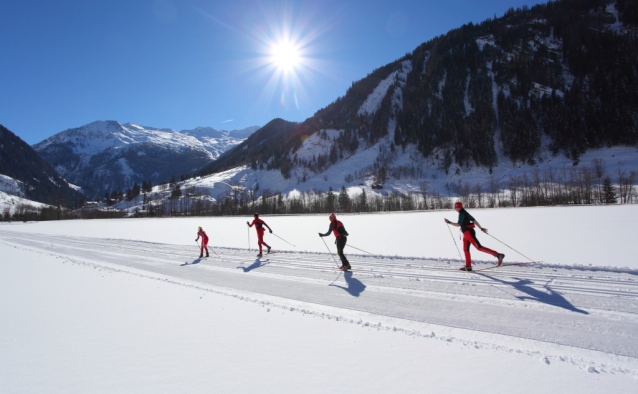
469 238
260 239
204 246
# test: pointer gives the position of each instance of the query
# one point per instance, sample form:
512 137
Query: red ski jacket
203 235
259 225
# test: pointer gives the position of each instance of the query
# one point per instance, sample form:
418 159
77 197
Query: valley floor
102 315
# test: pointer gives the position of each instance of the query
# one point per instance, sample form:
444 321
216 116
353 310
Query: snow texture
372 103
10 186
131 308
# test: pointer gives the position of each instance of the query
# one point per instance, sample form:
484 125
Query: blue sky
189 63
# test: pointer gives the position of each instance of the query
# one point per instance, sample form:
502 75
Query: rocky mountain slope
106 156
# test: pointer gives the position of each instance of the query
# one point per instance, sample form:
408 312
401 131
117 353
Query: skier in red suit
204 245
259 226
467 223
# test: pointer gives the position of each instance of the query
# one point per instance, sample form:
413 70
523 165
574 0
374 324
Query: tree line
586 185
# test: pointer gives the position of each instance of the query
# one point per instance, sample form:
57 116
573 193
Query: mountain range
106 156
550 85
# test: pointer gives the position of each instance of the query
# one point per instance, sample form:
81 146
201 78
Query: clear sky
181 64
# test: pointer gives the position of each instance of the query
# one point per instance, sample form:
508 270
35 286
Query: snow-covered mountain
530 95
217 141
105 156
26 176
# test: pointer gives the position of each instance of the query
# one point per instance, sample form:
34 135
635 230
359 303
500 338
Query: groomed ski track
568 312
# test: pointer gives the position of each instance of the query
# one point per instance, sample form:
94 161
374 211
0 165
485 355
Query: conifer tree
609 191
344 200
330 200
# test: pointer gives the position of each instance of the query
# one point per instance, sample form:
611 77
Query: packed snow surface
127 306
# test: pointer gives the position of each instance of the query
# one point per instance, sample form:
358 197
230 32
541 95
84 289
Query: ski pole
511 248
249 239
213 250
282 239
329 251
354 247
457 246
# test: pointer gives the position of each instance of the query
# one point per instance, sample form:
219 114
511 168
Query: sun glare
285 55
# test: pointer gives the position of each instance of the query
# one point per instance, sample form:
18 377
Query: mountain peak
108 155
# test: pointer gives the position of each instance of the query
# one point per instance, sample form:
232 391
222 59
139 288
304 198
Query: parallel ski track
568 306
591 282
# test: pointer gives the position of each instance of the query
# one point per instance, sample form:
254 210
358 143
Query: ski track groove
529 301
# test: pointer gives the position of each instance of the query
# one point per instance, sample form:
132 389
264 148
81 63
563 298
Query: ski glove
484 230
270 231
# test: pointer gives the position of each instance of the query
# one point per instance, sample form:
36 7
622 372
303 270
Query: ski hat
256 215
332 216
199 228
458 205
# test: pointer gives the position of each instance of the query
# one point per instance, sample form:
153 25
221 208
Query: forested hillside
561 75
39 180
565 70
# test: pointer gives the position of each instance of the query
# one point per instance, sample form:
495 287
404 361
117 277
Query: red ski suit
259 226
204 245
466 221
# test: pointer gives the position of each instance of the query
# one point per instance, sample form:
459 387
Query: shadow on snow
355 286
550 297
253 266
196 261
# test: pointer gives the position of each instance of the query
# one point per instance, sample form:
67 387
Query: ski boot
500 259
466 268
268 250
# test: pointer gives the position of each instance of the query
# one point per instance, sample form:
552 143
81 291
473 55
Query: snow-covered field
126 306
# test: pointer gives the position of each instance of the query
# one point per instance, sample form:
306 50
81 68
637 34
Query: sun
285 55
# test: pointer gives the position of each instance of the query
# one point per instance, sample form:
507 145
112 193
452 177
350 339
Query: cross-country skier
259 226
467 223
204 245
341 234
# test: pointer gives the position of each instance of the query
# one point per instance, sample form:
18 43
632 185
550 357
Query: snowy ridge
107 156
100 136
